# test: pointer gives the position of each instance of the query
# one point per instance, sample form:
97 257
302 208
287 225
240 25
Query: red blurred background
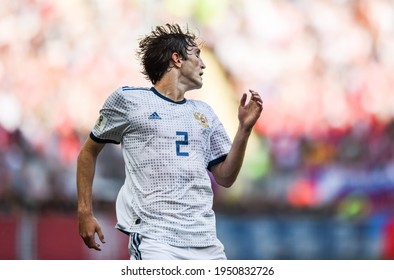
320 161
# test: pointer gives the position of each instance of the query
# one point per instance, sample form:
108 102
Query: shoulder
129 89
202 107
127 93
200 104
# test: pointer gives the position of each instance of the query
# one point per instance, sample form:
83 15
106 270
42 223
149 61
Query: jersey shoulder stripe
127 88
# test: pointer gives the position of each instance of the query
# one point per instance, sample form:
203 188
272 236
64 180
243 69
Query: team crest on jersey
202 120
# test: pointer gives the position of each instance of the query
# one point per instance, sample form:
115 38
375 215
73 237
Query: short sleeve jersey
167 148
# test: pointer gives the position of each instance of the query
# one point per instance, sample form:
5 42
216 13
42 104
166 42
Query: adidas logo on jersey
154 116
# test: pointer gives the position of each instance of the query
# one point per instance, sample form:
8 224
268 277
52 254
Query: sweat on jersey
167 147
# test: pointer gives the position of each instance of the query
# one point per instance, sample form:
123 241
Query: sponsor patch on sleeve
100 123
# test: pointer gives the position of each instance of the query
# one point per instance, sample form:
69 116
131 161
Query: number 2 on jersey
183 142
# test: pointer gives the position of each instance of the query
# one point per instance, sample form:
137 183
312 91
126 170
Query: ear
176 59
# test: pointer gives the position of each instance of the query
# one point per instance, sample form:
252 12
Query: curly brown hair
155 49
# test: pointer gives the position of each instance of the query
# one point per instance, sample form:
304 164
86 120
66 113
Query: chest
174 122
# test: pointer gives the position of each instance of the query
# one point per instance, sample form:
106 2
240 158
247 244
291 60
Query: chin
197 86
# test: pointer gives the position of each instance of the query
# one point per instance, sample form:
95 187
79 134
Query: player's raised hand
88 227
248 113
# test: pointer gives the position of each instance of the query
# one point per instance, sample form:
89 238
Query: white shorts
144 248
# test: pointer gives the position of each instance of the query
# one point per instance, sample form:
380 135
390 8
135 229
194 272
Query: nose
202 64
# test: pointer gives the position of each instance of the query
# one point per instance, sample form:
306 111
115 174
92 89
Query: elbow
227 186
224 178
226 183
81 157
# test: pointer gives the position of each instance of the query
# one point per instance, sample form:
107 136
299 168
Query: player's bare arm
226 172
88 224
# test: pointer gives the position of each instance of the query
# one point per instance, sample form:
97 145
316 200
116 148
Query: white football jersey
167 148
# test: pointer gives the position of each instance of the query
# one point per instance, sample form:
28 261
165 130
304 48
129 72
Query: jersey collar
166 98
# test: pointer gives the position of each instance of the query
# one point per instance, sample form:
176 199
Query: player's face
192 69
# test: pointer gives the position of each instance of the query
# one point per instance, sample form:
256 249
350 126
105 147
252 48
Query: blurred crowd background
318 178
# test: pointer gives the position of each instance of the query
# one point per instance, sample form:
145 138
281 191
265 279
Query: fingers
256 97
90 240
100 235
243 99
91 243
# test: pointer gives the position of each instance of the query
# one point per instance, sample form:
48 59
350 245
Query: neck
170 87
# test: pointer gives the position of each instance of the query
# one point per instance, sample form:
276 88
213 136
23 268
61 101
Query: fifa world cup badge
101 121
